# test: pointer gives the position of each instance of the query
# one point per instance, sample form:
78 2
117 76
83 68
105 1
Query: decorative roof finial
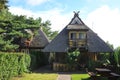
76 13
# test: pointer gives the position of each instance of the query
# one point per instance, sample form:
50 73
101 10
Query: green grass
80 77
85 77
37 76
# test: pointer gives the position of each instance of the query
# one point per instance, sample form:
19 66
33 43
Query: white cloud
105 22
36 2
20 11
57 19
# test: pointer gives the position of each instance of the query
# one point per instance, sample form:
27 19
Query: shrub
13 64
91 65
117 56
72 59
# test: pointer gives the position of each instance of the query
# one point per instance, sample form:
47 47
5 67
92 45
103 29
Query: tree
50 34
3 4
117 56
14 27
110 45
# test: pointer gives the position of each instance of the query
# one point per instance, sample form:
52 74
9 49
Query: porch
59 61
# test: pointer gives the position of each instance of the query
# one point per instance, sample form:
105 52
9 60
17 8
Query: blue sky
102 16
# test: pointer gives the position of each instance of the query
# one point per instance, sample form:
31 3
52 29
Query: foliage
3 4
110 45
117 56
104 58
14 27
37 76
38 59
50 34
91 65
5 45
72 58
13 64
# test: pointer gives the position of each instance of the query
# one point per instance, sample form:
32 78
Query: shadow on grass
48 69
99 78
85 79
44 69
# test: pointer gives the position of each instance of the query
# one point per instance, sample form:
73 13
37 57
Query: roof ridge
78 19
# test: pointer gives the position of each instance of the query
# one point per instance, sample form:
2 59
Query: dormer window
72 36
82 36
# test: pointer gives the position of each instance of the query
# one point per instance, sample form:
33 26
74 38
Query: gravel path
64 77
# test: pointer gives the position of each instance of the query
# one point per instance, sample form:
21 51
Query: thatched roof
40 40
60 43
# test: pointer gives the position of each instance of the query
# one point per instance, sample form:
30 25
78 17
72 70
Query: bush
13 64
91 65
72 59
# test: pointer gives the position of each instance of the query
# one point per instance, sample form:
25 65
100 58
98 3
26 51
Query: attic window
73 36
76 22
82 35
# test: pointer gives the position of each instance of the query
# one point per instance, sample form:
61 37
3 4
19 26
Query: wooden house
77 35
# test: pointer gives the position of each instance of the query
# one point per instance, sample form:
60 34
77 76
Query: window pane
82 36
73 36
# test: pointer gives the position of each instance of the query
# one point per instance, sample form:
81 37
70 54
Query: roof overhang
77 27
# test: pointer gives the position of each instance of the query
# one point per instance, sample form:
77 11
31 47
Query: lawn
37 76
84 77
80 77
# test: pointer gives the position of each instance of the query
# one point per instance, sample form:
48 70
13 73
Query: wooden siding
93 56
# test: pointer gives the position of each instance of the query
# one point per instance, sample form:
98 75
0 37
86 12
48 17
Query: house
37 42
77 35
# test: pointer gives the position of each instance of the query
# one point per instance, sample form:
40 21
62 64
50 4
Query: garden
21 66
18 65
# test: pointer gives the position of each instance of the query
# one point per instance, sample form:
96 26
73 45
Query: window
82 35
73 36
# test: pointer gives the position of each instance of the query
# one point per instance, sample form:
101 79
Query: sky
102 16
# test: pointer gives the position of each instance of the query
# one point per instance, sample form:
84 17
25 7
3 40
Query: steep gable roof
60 43
40 40
96 44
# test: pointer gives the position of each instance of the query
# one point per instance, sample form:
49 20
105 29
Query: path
64 77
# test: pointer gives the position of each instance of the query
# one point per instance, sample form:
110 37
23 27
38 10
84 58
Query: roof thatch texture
94 42
40 40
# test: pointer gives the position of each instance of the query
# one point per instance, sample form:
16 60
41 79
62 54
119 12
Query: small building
77 35
37 42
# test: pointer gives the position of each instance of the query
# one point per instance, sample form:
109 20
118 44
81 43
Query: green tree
46 28
110 45
117 56
3 4
14 27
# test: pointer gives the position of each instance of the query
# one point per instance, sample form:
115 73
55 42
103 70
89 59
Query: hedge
13 64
